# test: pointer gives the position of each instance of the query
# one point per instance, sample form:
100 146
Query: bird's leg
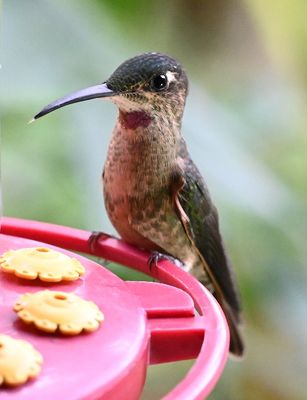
95 238
156 256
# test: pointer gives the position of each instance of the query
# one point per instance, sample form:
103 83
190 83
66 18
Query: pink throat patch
134 119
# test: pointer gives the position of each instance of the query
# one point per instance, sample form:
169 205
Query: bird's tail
232 314
236 346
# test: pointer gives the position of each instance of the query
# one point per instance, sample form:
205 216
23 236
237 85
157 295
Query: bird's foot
156 256
95 238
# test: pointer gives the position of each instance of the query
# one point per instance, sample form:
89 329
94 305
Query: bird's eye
159 82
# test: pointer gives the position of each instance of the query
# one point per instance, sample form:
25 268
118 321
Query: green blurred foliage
245 124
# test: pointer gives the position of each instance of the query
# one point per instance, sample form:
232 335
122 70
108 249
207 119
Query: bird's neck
134 119
150 130
143 149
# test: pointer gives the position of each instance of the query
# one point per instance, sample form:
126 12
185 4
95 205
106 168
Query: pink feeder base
144 322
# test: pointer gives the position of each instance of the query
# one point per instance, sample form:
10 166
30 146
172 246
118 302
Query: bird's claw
95 238
156 256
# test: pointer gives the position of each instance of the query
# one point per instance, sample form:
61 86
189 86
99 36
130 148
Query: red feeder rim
208 366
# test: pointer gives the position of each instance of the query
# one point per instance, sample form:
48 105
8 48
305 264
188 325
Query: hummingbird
155 196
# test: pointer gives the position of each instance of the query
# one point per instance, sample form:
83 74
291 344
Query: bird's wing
200 220
203 226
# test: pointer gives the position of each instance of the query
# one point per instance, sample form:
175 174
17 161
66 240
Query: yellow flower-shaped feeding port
19 361
41 262
50 311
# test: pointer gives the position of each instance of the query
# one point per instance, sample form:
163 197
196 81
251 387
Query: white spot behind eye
170 76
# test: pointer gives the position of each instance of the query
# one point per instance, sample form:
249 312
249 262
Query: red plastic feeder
145 323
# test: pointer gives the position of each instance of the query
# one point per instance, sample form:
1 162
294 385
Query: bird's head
151 83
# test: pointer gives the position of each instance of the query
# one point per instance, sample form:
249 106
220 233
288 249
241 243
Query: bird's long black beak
89 93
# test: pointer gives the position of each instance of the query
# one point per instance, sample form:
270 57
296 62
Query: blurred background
245 124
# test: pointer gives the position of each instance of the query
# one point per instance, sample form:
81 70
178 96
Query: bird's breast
128 178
